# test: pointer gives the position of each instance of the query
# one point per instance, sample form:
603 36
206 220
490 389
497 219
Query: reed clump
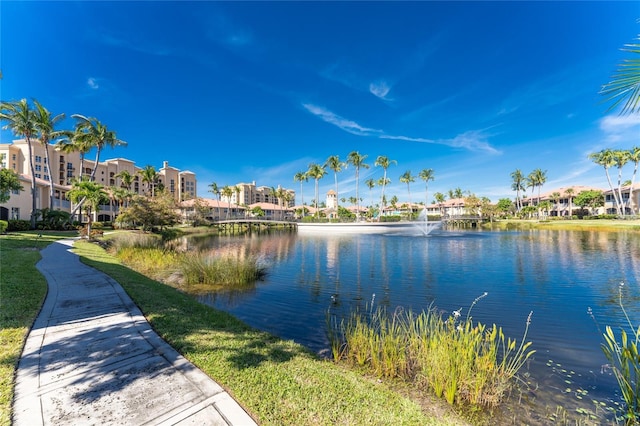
148 254
463 361
224 269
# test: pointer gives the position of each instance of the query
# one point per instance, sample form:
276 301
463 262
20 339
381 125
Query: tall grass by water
462 361
624 361
149 255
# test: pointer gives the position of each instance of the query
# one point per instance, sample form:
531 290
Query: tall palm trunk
34 204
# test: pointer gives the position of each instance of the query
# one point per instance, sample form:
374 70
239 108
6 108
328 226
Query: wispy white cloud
140 46
473 140
92 82
380 89
343 123
621 128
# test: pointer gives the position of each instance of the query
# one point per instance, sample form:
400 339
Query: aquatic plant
624 361
463 361
225 269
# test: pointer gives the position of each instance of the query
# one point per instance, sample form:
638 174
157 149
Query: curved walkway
92 358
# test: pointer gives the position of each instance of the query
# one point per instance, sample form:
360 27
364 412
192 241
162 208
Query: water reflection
556 274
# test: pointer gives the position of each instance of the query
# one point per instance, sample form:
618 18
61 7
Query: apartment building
248 193
63 168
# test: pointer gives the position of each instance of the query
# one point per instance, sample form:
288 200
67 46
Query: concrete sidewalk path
92 358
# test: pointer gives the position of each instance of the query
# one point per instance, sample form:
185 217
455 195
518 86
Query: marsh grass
22 291
624 360
225 269
153 256
462 361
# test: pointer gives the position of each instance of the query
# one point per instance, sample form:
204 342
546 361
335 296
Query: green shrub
3 226
17 225
390 218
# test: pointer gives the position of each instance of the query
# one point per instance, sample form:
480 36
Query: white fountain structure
424 224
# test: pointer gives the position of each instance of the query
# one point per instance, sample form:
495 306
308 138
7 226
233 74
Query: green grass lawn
22 291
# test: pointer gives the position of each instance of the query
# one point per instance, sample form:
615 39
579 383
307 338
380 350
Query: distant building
64 168
248 194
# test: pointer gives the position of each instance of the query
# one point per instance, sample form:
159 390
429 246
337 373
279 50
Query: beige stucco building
62 168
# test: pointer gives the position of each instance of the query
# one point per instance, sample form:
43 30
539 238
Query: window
46 169
15 192
38 159
69 166
13 157
38 175
15 213
69 173
38 168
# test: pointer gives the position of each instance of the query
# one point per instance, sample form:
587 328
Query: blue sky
242 91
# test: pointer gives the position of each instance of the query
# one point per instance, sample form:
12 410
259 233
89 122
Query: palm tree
149 175
213 188
237 189
605 158
334 163
621 157
75 142
98 136
301 177
634 157
227 192
556 197
45 124
93 195
370 184
126 179
316 172
356 160
384 162
439 197
625 82
22 122
408 178
540 177
569 193
426 175
518 181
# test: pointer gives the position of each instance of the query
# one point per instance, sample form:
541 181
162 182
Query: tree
634 157
555 196
625 83
334 163
518 184
539 178
504 205
257 211
545 206
45 125
456 193
370 184
213 188
21 120
150 212
590 199
426 175
621 157
394 202
316 172
237 189
439 198
126 179
9 181
150 176
301 177
227 192
97 135
384 162
356 160
606 159
75 142
93 195
569 193
407 178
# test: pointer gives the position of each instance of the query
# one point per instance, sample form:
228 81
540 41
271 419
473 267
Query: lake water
556 274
